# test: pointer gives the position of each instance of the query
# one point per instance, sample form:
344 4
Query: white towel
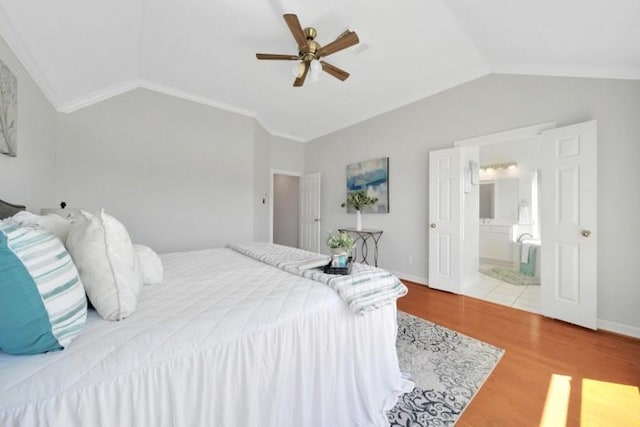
524 253
314 263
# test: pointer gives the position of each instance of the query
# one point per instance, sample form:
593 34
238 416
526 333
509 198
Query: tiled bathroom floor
493 290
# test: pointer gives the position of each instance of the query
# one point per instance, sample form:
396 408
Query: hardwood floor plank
536 348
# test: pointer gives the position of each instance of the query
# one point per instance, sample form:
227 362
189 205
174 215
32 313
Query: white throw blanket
366 288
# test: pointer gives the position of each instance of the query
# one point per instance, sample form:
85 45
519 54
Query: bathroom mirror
487 197
499 200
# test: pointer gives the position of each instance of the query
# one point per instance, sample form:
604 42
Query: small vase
358 221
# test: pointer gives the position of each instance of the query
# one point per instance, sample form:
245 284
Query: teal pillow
42 302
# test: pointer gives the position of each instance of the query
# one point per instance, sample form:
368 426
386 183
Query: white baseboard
410 277
619 328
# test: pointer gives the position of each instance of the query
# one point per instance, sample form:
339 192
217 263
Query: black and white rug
448 368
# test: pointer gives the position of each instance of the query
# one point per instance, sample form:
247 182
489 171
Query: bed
225 340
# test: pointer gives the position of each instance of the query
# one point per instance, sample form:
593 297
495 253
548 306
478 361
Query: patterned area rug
508 275
447 367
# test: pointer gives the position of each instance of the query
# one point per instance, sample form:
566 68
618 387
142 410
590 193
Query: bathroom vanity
496 243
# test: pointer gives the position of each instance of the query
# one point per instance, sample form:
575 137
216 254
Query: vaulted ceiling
83 51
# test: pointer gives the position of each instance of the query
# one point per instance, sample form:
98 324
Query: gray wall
287 155
286 217
28 178
261 185
484 106
178 174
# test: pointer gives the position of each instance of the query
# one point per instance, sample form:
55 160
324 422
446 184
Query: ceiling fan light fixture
315 68
298 69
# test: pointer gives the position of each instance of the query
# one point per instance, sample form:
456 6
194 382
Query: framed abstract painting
373 177
8 111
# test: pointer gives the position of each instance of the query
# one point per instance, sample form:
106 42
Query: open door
568 224
445 219
310 212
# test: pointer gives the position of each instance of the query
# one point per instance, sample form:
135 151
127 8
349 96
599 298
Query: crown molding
113 91
103 95
167 90
98 96
216 104
110 92
290 136
620 73
279 134
20 50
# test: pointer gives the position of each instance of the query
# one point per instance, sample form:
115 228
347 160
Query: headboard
9 209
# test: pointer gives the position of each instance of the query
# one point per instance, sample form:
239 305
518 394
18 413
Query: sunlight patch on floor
609 404
557 403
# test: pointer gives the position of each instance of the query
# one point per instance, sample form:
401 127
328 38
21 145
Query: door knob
586 233
317 220
433 225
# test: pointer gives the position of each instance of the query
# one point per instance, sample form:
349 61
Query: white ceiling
84 51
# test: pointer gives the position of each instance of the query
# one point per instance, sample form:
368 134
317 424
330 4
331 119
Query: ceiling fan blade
300 80
344 41
296 29
336 72
276 56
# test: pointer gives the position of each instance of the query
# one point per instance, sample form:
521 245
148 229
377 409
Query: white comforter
224 341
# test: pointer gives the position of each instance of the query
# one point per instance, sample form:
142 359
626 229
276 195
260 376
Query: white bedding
223 341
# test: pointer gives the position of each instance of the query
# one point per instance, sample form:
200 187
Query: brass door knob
586 233
433 225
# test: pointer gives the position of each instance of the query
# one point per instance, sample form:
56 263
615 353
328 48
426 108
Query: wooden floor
536 348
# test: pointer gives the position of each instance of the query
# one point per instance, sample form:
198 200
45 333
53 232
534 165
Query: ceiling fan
310 52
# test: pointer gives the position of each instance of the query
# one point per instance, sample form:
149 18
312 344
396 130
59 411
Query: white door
445 219
310 212
568 224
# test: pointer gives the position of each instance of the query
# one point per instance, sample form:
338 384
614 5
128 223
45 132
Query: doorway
286 209
509 244
567 215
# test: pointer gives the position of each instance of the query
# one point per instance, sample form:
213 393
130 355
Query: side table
362 239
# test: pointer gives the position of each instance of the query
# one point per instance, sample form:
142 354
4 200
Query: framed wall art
373 177
8 111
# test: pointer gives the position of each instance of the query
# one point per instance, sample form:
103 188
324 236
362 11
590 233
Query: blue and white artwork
8 111
372 176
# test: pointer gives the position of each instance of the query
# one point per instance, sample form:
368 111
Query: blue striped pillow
42 301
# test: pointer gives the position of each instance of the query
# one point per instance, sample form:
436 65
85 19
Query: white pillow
150 265
102 251
52 222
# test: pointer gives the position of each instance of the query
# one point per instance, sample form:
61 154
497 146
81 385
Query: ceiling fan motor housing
310 33
310 52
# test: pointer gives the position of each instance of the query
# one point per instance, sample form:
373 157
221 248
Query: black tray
338 270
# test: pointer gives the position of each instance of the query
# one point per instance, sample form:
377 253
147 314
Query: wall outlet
409 259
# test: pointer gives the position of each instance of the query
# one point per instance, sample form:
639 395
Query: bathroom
509 228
